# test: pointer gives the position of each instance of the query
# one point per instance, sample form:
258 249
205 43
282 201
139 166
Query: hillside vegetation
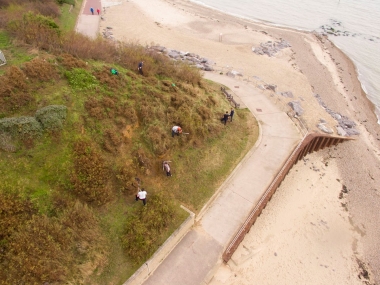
74 138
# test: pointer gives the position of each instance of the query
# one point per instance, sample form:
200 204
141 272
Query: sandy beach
321 226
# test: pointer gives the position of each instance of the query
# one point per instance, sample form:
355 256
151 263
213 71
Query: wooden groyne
310 143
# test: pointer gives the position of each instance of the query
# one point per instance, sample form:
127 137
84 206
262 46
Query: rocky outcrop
271 48
296 106
345 126
187 57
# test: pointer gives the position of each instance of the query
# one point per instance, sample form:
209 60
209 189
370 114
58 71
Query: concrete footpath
193 260
88 23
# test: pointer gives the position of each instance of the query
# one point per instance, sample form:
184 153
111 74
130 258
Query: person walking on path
141 195
225 118
92 10
98 11
166 167
232 113
176 130
141 63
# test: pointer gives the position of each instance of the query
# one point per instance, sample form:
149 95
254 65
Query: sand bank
305 236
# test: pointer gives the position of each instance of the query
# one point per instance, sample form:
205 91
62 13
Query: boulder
296 106
324 129
341 131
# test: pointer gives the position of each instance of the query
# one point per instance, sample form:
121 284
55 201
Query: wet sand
311 232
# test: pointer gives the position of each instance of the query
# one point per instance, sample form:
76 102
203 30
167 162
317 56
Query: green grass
68 19
13 55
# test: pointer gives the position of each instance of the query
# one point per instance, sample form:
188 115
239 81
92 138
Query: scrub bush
39 252
52 117
70 62
90 175
40 69
144 227
21 127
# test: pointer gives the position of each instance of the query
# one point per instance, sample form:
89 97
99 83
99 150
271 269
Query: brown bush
128 112
108 79
46 8
160 139
82 222
211 101
177 100
36 30
204 112
70 62
91 174
108 102
13 90
14 212
112 141
125 177
40 69
39 252
142 159
95 109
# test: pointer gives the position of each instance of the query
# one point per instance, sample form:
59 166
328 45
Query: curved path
193 259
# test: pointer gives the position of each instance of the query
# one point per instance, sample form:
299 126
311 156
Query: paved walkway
193 260
88 24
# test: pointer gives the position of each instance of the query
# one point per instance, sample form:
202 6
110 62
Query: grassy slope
42 170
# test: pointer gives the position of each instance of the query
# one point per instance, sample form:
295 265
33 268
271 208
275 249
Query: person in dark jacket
140 67
225 118
232 113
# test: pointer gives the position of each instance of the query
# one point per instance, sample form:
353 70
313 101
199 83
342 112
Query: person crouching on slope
176 130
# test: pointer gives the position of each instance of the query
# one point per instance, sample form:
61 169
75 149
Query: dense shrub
13 90
40 69
37 30
39 252
109 80
51 117
14 212
125 177
6 143
81 79
21 127
70 62
90 175
112 140
144 227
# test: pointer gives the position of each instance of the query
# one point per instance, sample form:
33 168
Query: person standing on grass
141 195
92 10
98 11
166 167
176 130
225 118
141 63
232 113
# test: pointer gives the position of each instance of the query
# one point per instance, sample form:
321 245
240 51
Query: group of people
226 115
176 130
92 11
141 194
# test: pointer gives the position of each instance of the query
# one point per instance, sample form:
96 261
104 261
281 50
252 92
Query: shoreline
310 66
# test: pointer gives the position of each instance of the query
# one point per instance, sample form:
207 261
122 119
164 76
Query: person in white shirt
141 195
176 130
166 167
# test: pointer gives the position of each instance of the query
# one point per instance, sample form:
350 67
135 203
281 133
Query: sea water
355 25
